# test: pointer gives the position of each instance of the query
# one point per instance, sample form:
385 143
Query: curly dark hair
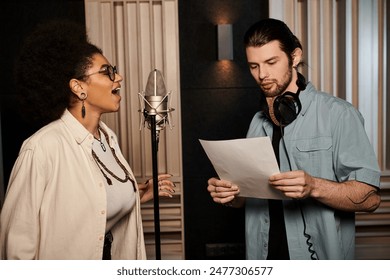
53 54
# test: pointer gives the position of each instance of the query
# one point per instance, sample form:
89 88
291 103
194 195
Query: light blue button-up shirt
327 140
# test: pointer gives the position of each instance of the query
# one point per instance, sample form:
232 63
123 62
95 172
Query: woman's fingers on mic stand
166 186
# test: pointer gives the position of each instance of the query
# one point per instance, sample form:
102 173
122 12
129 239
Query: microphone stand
155 105
153 128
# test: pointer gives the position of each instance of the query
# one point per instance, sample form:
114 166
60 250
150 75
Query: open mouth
116 90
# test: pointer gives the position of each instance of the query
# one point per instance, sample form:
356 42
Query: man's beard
280 88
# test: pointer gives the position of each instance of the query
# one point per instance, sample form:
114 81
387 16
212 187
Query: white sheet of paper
246 162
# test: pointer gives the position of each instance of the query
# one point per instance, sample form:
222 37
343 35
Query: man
328 168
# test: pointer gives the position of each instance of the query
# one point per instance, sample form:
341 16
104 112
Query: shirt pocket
315 156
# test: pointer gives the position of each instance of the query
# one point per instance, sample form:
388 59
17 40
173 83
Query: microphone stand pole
155 187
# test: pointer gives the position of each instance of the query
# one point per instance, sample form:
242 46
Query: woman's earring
83 96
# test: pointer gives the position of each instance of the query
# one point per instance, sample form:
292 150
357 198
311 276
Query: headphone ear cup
286 108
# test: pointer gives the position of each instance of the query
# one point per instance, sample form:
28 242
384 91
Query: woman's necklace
101 165
100 141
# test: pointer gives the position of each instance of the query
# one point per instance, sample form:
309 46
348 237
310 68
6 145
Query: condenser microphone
155 102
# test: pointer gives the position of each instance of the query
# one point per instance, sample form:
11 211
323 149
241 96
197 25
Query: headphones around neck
286 106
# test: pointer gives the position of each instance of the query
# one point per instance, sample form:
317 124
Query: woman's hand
165 188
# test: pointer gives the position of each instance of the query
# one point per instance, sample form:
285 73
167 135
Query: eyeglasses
108 70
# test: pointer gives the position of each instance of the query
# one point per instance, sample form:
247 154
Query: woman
71 193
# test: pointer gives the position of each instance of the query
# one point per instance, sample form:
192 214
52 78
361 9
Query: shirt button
265 245
103 212
101 237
